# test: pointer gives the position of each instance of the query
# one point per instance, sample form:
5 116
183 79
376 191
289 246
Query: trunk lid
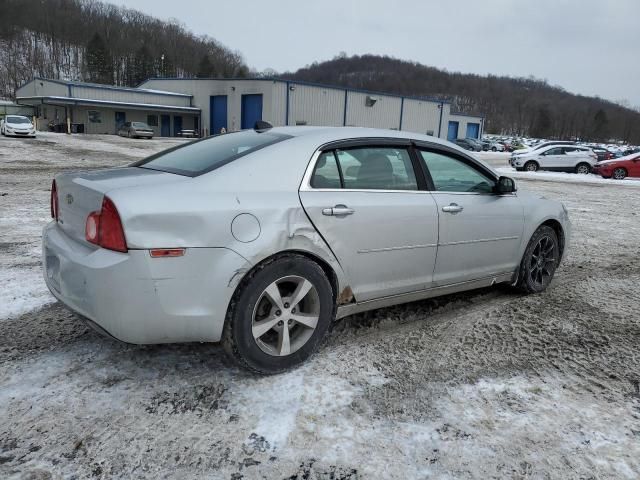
80 193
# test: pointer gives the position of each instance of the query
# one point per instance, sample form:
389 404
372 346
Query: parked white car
559 158
17 126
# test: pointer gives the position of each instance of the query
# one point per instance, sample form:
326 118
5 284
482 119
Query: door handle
338 211
453 208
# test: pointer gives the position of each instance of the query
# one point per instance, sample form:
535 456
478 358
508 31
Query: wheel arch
344 296
557 227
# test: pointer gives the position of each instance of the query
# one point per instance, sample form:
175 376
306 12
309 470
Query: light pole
162 67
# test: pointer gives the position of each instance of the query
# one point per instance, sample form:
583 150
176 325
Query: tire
494 149
619 173
583 168
531 166
539 262
254 332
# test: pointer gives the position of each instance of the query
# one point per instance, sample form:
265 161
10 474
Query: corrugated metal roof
90 101
74 83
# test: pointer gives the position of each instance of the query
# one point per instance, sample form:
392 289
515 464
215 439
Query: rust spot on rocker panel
346 296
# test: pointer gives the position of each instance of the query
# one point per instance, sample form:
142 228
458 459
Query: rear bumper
137 299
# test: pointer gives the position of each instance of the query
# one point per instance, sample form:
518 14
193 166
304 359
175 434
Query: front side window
377 168
452 175
204 155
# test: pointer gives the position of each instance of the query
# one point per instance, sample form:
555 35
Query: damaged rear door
369 205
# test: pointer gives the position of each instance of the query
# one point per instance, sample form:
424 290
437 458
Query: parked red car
619 168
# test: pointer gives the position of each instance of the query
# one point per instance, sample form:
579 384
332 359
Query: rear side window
326 173
366 168
204 155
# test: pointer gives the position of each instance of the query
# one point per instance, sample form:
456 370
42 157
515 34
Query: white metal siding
278 105
421 116
128 96
310 105
385 113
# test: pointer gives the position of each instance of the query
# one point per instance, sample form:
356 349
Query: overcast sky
590 47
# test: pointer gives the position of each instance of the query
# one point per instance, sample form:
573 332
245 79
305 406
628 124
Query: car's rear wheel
583 168
279 315
619 173
540 260
531 166
494 149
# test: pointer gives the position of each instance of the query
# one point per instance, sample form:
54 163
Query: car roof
321 135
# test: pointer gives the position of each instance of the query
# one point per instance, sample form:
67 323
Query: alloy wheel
619 173
543 261
531 167
285 315
582 169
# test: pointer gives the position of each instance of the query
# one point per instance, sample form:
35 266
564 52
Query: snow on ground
487 384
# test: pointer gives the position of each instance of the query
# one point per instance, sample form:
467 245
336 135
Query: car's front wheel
531 166
279 315
619 173
540 260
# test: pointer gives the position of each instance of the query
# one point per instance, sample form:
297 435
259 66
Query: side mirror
505 185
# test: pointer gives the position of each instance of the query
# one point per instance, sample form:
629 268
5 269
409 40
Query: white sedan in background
558 158
17 126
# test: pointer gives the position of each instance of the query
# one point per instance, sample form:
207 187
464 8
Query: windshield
207 154
18 120
139 125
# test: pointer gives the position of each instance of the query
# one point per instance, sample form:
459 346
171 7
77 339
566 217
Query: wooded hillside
513 106
98 42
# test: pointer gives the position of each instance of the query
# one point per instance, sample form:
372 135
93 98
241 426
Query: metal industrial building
235 104
214 105
103 109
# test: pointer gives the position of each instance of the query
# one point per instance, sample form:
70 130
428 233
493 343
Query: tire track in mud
558 333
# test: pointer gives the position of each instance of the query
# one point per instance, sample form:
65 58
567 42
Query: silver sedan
261 238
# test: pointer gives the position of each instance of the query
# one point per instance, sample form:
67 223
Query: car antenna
262 126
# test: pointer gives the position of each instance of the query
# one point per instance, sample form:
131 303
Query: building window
94 116
152 120
44 113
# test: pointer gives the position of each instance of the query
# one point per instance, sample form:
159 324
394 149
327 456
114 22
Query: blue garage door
177 125
165 125
251 110
217 113
473 130
121 117
452 133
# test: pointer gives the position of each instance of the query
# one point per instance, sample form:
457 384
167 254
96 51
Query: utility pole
162 67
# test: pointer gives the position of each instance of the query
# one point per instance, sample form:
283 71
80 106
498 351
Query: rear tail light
104 228
54 200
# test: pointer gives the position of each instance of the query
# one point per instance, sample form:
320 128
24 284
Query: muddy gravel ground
487 384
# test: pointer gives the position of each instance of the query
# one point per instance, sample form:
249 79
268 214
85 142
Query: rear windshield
18 120
207 154
139 125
